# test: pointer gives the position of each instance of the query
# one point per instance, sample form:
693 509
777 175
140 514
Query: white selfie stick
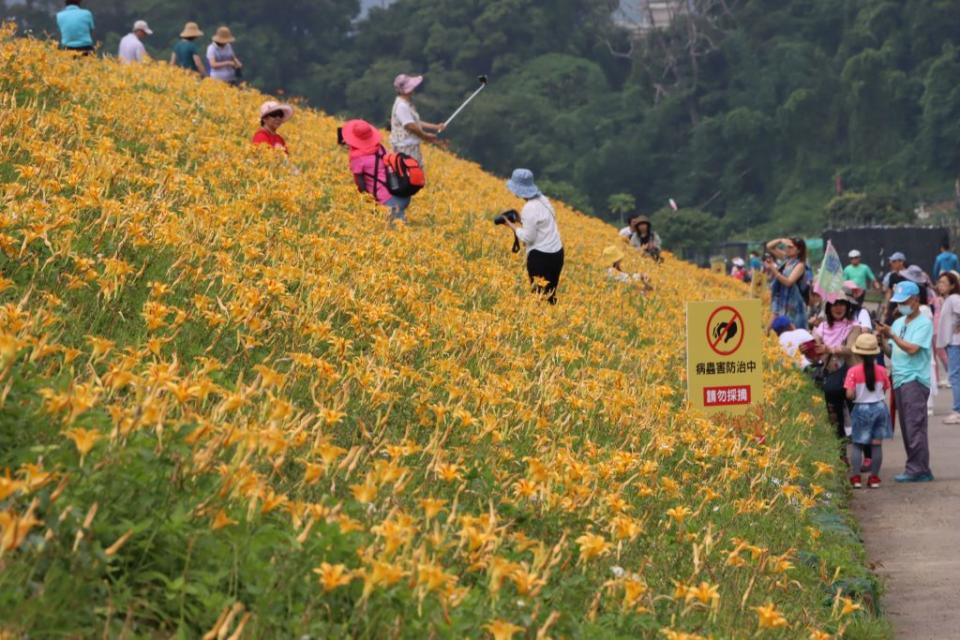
483 85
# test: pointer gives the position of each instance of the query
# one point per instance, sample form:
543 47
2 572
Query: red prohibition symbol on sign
725 331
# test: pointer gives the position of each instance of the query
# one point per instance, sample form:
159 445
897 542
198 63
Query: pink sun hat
851 288
361 135
405 84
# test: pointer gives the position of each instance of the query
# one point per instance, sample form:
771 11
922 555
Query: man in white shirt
131 46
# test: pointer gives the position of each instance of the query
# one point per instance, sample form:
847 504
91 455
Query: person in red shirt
272 115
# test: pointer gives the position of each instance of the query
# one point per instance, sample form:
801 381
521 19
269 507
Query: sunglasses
275 114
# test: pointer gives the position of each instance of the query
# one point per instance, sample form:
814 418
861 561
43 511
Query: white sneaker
944 384
953 418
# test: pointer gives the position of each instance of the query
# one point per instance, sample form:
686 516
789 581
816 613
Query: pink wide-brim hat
360 134
851 286
406 84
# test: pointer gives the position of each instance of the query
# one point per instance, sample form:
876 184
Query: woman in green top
185 52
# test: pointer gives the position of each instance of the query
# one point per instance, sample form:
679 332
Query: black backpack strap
376 171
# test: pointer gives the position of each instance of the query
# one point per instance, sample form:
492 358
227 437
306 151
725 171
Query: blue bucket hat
904 291
522 185
780 324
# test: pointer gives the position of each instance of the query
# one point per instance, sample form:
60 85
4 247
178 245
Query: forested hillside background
744 111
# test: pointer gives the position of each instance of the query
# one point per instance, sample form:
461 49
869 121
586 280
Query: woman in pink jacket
368 167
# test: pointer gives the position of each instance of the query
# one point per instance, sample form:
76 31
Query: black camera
340 139
510 215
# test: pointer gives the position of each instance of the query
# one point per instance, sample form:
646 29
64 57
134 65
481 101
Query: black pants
547 266
85 51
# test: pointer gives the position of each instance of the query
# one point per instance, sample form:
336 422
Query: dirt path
912 534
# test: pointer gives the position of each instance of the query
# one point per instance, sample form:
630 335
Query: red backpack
404 174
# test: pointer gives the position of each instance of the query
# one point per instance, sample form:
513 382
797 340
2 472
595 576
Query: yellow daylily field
235 403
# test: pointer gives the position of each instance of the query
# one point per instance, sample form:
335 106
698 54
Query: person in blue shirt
76 27
909 344
946 261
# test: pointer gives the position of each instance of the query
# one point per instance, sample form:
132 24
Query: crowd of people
77 25
374 169
874 361
837 340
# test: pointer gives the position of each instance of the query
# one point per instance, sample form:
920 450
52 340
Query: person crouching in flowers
368 167
613 256
538 230
867 385
272 115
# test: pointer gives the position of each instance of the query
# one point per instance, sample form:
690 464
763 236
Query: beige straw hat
866 345
191 30
223 36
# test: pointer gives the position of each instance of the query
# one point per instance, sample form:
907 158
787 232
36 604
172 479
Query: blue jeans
871 421
398 208
953 372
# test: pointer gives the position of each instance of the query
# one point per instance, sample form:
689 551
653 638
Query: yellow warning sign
724 355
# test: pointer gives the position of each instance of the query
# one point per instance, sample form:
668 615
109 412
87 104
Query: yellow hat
866 345
612 254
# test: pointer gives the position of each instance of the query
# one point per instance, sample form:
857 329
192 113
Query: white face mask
905 309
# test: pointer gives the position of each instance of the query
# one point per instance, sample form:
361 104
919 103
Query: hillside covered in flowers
234 403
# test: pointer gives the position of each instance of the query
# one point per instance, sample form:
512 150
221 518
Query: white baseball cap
853 254
141 25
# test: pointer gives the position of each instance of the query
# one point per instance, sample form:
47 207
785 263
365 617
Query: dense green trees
746 110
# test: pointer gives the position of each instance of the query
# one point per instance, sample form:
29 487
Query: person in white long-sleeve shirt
538 231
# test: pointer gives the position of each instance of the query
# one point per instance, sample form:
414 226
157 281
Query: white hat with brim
853 254
272 105
738 262
141 25
521 184
191 30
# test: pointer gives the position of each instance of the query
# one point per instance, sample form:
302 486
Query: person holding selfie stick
908 343
538 230
407 130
